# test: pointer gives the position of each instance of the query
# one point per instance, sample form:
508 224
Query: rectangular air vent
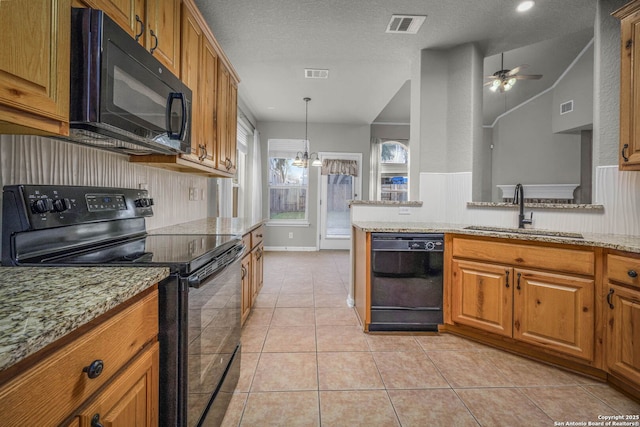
405 24
316 73
566 107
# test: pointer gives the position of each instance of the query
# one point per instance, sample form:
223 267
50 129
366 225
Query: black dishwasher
406 281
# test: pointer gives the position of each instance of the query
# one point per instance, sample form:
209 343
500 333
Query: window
393 171
288 184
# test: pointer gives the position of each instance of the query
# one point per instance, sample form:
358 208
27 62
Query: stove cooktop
184 252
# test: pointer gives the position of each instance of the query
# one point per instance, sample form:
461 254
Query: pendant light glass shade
302 159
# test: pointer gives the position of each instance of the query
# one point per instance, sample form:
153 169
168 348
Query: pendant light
302 159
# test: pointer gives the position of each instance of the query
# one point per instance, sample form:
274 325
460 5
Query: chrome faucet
518 198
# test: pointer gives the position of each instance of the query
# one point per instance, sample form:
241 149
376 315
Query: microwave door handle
172 97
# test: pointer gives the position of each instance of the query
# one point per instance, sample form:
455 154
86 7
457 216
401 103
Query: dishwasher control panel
430 242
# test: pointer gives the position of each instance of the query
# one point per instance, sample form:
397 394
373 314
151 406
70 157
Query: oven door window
213 334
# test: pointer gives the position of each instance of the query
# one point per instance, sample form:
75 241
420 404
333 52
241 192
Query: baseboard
291 248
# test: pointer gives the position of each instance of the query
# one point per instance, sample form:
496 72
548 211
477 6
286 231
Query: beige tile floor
306 362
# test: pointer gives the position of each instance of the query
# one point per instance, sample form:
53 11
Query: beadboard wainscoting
38 160
445 197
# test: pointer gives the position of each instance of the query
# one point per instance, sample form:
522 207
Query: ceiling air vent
566 107
405 24
315 73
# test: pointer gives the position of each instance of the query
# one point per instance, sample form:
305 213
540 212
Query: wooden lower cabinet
547 309
247 277
481 296
58 389
555 311
622 308
132 399
252 269
258 269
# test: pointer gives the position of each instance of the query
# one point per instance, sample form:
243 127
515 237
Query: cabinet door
623 333
258 268
630 88
482 296
222 119
163 32
34 66
132 399
208 93
189 72
246 286
129 14
231 149
554 311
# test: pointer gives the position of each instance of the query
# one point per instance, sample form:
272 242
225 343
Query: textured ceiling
270 42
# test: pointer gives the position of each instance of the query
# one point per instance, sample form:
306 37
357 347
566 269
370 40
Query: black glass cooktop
180 251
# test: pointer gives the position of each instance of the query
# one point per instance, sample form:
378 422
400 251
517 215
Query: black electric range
199 303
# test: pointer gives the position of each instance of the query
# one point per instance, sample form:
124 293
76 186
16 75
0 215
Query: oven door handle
196 280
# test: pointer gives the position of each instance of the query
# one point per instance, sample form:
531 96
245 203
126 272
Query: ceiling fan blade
516 70
528 76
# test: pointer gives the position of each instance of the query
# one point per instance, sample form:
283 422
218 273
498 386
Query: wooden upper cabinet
34 66
155 24
207 72
163 32
629 156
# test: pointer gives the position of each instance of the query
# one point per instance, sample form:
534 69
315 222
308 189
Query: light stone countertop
39 305
610 241
384 203
210 225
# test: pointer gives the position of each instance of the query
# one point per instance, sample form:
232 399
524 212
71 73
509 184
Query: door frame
338 242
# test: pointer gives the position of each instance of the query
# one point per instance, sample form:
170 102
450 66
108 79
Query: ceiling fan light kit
503 80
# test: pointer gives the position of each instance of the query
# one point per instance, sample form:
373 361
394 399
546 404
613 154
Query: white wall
323 138
37 160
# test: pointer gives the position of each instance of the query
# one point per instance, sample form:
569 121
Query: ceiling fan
503 80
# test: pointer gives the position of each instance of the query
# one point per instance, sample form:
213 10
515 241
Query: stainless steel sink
530 231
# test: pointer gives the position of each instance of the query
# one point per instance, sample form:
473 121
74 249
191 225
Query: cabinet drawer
57 385
257 236
624 270
557 259
246 241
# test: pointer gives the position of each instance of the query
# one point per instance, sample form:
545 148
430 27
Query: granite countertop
211 225
609 241
39 305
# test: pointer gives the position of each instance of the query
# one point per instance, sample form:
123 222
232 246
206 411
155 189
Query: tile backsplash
39 160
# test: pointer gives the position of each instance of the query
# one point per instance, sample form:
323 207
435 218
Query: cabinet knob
95 421
632 273
94 369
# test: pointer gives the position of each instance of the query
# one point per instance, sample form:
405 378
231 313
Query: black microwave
122 98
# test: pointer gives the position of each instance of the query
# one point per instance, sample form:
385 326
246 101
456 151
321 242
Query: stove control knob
42 206
61 205
144 203
431 246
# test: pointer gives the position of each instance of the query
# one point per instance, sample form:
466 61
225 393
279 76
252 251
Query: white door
336 190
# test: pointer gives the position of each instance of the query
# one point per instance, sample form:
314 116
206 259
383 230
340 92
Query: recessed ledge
559 206
384 203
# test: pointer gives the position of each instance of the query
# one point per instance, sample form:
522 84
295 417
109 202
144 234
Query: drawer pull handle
94 369
609 298
507 273
632 273
95 421
259 235
519 275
